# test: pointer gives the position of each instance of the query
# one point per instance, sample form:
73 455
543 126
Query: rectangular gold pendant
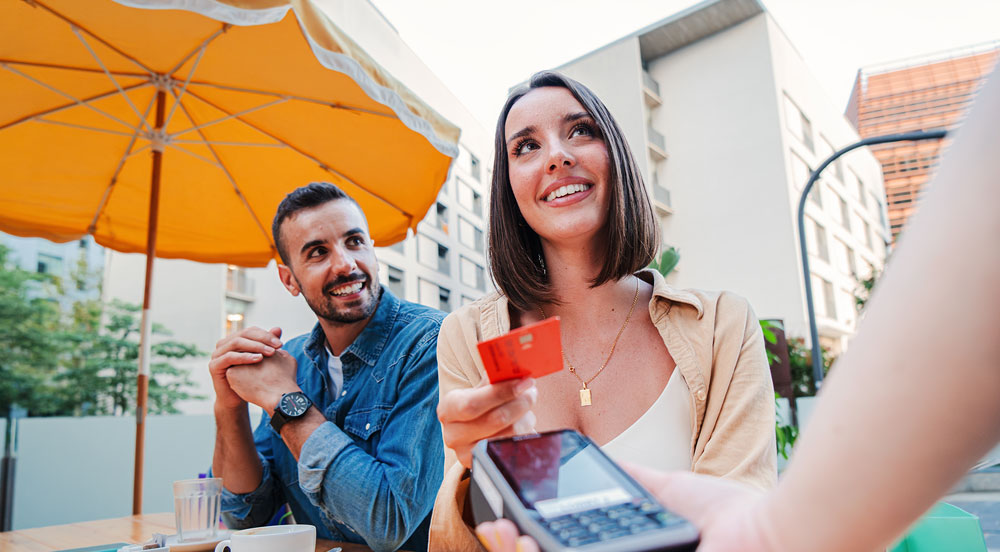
585 397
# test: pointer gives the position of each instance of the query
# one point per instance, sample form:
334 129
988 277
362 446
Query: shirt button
701 395
368 426
342 393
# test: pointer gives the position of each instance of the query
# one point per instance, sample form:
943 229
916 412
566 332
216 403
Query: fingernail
268 350
496 533
482 540
276 342
532 395
524 385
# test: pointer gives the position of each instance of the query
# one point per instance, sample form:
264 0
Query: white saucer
196 546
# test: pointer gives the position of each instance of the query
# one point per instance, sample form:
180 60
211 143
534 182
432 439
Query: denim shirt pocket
364 424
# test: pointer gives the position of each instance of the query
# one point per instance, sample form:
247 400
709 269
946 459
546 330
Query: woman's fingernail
524 385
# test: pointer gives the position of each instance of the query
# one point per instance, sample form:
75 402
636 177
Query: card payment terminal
561 489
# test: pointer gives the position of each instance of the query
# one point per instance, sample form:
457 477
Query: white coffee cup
286 538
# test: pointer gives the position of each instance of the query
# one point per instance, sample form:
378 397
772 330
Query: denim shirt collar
369 344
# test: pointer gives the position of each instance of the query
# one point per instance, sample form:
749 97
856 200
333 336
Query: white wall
614 73
726 170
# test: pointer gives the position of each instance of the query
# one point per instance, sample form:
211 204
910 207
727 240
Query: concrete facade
732 124
443 265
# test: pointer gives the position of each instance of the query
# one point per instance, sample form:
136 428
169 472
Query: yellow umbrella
176 129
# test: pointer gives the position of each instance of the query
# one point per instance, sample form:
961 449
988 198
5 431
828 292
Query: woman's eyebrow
523 132
577 116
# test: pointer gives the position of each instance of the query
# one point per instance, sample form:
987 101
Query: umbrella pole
144 344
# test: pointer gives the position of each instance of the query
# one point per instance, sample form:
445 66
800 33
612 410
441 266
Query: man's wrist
271 404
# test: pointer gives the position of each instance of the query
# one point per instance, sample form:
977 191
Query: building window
469 198
800 172
472 274
392 278
836 167
830 300
432 254
862 196
235 315
816 194
474 168
237 281
441 210
852 264
821 248
798 124
868 233
435 296
49 264
845 214
470 236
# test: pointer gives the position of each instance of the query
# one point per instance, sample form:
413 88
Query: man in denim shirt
355 446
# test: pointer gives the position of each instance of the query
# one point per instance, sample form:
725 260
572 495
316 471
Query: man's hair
515 250
306 197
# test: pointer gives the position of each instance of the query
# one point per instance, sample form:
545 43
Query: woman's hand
491 410
501 536
729 515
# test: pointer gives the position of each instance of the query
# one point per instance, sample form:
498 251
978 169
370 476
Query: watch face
294 404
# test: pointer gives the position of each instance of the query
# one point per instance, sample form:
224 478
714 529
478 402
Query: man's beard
360 309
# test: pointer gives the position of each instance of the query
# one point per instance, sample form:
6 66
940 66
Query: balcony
239 285
650 90
661 199
657 144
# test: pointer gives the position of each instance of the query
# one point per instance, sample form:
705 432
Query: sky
480 48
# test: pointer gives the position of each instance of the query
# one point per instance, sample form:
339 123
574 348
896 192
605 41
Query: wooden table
127 529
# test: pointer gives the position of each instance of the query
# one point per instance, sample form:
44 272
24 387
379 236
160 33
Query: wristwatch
290 407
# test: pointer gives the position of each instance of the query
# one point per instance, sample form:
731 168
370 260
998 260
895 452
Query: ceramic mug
286 538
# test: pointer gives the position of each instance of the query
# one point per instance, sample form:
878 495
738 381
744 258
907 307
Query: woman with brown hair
668 378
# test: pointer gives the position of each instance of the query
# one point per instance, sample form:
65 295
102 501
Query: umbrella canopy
252 110
175 127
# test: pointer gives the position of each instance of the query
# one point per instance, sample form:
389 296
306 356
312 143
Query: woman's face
558 165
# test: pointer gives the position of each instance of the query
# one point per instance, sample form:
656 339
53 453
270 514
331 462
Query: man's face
331 261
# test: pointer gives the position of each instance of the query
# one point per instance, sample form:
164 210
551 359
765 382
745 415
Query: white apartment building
726 122
443 265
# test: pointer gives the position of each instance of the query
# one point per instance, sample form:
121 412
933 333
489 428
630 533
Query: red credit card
533 351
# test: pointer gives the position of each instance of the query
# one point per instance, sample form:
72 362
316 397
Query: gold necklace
585 398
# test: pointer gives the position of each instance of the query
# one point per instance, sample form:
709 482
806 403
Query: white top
661 437
335 371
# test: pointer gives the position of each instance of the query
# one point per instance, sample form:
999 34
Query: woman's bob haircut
515 250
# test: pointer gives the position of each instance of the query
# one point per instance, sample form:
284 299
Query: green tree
79 358
864 287
101 370
29 324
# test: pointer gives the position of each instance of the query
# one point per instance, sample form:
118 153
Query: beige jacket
714 338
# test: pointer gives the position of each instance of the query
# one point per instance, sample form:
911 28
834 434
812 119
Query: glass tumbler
197 504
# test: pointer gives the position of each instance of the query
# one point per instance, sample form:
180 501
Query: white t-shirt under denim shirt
335 375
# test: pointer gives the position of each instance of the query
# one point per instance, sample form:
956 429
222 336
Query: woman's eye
524 147
582 130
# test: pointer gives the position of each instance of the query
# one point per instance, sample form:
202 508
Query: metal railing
649 82
656 139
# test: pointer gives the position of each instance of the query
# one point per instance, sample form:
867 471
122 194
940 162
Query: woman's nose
560 158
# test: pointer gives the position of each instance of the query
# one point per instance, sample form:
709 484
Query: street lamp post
817 363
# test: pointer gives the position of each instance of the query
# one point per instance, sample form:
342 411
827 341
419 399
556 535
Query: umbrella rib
232 181
225 27
177 97
72 68
304 154
88 31
292 97
92 227
224 143
85 127
69 96
114 81
195 155
69 105
228 117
